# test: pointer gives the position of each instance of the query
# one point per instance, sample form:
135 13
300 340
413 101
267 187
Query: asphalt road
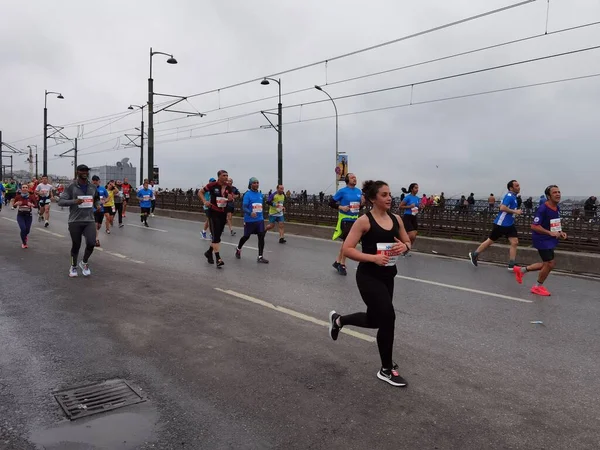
240 357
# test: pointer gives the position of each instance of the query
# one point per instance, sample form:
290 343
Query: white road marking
147 228
38 229
296 314
460 288
6 218
118 255
235 245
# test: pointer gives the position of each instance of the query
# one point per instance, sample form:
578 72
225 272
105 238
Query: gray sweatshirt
85 211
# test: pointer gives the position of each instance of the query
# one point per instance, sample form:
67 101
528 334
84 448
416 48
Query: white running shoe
85 269
73 272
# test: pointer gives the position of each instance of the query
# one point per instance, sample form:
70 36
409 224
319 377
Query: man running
127 188
220 194
99 209
546 230
347 201
254 222
276 210
153 201
231 206
504 225
44 192
205 197
145 196
82 198
409 208
11 191
119 199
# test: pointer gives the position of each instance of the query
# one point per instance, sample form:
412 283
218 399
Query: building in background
122 169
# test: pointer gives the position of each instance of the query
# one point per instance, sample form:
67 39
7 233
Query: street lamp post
141 108
171 60
336 132
265 82
60 96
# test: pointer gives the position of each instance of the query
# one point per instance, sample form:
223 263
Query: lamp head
171 60
60 96
318 87
265 82
130 107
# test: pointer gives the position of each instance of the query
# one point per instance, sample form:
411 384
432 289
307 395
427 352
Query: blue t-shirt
351 197
412 201
207 198
1 190
253 202
506 219
103 193
548 219
145 196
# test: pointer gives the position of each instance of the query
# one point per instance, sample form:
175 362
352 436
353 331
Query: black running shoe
334 329
146 225
238 253
392 377
282 241
262 260
209 257
342 270
473 258
220 263
336 265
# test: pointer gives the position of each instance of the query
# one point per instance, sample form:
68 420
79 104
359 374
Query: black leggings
119 207
261 242
153 203
378 294
216 222
77 230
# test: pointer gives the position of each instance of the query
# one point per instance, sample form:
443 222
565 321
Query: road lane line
147 228
6 218
118 255
296 314
38 229
460 288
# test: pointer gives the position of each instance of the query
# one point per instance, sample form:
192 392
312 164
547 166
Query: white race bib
386 249
257 208
43 192
414 210
354 207
145 198
221 202
88 201
555 225
279 207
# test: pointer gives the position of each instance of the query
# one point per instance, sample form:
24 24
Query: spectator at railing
589 208
491 202
528 204
471 202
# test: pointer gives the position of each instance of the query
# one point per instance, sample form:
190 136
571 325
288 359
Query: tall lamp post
60 96
265 82
336 132
141 108
171 60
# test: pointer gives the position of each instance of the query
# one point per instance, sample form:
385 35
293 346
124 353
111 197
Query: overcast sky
96 54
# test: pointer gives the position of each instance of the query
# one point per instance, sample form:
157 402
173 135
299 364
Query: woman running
109 205
409 208
383 239
24 202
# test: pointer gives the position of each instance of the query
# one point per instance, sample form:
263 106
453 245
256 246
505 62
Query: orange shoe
540 290
518 274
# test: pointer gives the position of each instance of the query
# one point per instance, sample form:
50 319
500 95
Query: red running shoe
540 290
518 274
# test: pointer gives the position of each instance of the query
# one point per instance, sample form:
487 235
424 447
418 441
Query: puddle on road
120 429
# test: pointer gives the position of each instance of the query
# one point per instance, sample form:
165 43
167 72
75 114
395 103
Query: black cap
94 178
82 167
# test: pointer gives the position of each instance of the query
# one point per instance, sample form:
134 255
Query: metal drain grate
96 398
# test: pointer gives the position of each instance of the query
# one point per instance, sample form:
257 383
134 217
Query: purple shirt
549 219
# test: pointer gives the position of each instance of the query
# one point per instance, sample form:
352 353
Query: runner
2 192
383 239
99 210
254 222
409 208
153 201
11 191
119 199
231 205
220 194
145 196
546 230
347 201
82 198
44 192
504 225
276 211
24 202
109 205
127 190
205 197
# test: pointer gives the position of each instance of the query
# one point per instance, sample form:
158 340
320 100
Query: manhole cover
96 398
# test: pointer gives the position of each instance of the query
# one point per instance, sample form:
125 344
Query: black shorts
98 217
145 210
499 231
547 254
110 210
254 227
229 209
410 222
216 222
346 226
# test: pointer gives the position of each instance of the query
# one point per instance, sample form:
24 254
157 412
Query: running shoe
334 329
73 272
121 225
107 231
46 224
473 258
146 225
262 260
220 263
23 245
124 215
203 234
336 265
540 290
392 377
232 233
342 270
238 253
282 241
518 274
141 218
85 269
152 214
209 257
40 218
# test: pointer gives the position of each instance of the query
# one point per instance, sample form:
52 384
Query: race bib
114 209
257 208
43 192
146 198
279 207
88 201
354 207
24 208
555 225
414 210
386 249
221 202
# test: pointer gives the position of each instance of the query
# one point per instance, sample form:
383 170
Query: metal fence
449 221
